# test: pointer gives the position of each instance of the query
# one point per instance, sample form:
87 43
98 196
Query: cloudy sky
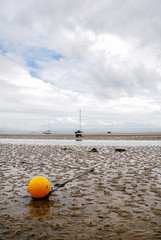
60 56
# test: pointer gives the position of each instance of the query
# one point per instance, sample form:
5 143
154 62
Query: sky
58 57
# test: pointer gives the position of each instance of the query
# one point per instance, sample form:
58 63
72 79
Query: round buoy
39 187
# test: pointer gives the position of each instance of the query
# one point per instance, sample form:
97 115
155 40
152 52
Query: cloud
57 57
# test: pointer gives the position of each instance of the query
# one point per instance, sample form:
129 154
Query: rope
70 180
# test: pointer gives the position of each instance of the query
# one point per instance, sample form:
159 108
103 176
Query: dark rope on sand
70 180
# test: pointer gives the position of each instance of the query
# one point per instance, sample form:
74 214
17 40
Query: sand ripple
121 199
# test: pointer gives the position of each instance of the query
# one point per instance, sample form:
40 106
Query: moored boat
48 132
79 133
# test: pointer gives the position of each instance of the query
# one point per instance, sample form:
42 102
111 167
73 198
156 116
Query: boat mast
80 120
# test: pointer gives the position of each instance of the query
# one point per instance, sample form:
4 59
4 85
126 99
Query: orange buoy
39 187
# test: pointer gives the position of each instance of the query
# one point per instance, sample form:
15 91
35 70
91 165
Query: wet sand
120 200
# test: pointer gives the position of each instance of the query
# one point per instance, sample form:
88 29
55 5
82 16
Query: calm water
82 143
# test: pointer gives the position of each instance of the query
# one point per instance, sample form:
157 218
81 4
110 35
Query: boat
48 132
49 129
79 133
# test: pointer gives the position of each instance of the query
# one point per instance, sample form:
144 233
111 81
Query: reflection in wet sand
40 207
121 199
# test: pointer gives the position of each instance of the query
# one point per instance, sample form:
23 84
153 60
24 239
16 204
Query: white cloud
59 56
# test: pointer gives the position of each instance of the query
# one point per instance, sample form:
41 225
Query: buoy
39 187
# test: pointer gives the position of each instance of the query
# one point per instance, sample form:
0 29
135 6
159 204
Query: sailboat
79 133
48 131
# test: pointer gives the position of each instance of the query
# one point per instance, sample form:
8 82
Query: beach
119 200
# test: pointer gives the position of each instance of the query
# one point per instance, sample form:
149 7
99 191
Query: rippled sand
120 200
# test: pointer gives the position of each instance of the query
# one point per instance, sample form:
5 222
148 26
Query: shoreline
94 136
